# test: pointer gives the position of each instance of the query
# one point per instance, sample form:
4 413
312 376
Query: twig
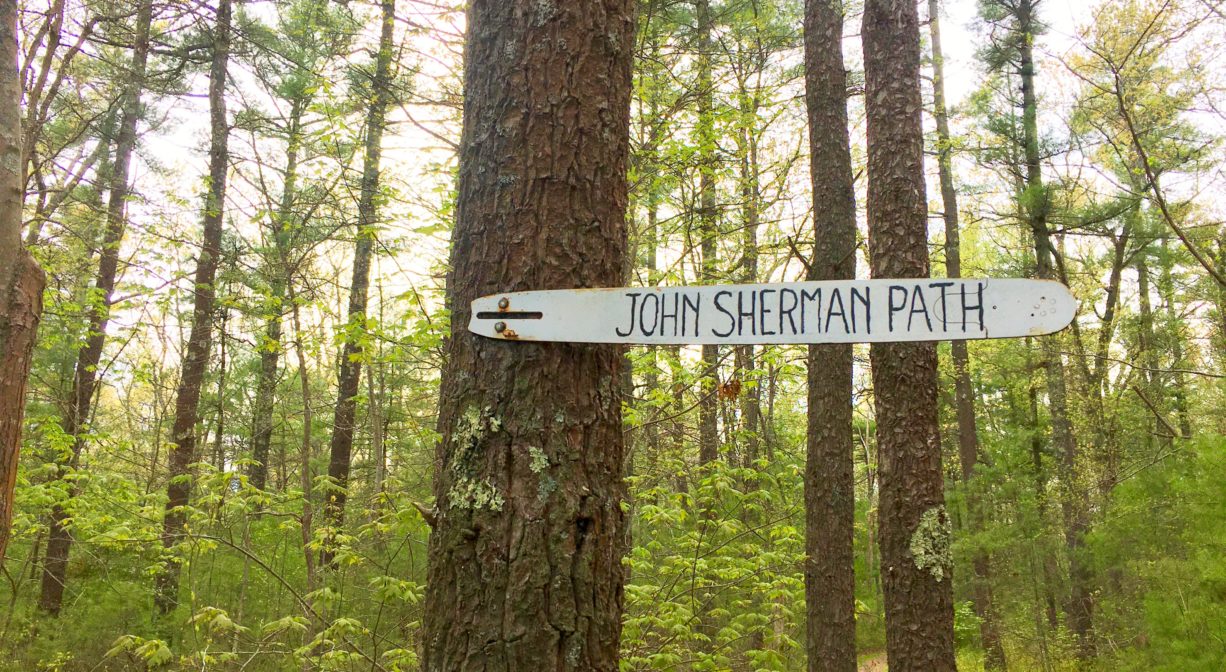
1157 414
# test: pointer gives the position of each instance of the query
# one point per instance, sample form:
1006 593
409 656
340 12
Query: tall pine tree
204 294
916 565
830 501
525 565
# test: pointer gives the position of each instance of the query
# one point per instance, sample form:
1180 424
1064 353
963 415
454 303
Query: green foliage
714 574
1165 543
716 553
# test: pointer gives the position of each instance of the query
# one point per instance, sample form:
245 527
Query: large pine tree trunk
196 357
964 398
830 499
350 373
525 561
1076 519
916 565
85 376
21 280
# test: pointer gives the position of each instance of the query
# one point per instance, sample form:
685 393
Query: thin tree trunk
350 370
89 356
750 395
964 399
1166 289
914 525
652 242
708 228
768 418
1218 343
219 434
749 391
830 501
525 560
710 218
1147 352
279 279
305 453
872 564
1037 205
21 279
377 452
196 357
1050 572
677 427
650 170
266 387
1103 443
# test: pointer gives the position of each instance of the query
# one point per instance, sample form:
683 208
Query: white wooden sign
843 311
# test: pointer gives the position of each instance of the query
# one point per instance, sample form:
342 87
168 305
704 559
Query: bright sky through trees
676 506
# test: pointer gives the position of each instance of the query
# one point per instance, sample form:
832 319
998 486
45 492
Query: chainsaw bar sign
840 311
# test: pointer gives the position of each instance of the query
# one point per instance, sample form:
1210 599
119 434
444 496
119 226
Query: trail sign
841 311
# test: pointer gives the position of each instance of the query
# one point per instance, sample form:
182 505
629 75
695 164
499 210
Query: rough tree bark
964 395
21 279
85 376
196 356
350 372
914 526
525 559
830 499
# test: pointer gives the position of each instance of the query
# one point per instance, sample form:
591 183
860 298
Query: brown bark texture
916 566
525 559
196 357
830 500
21 279
85 376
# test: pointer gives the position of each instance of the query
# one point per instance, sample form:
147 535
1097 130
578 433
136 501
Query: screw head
504 303
500 327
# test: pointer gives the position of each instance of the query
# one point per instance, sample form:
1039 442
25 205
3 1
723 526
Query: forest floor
873 662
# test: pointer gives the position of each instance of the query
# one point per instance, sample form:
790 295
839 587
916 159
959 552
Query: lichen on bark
930 544
471 432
